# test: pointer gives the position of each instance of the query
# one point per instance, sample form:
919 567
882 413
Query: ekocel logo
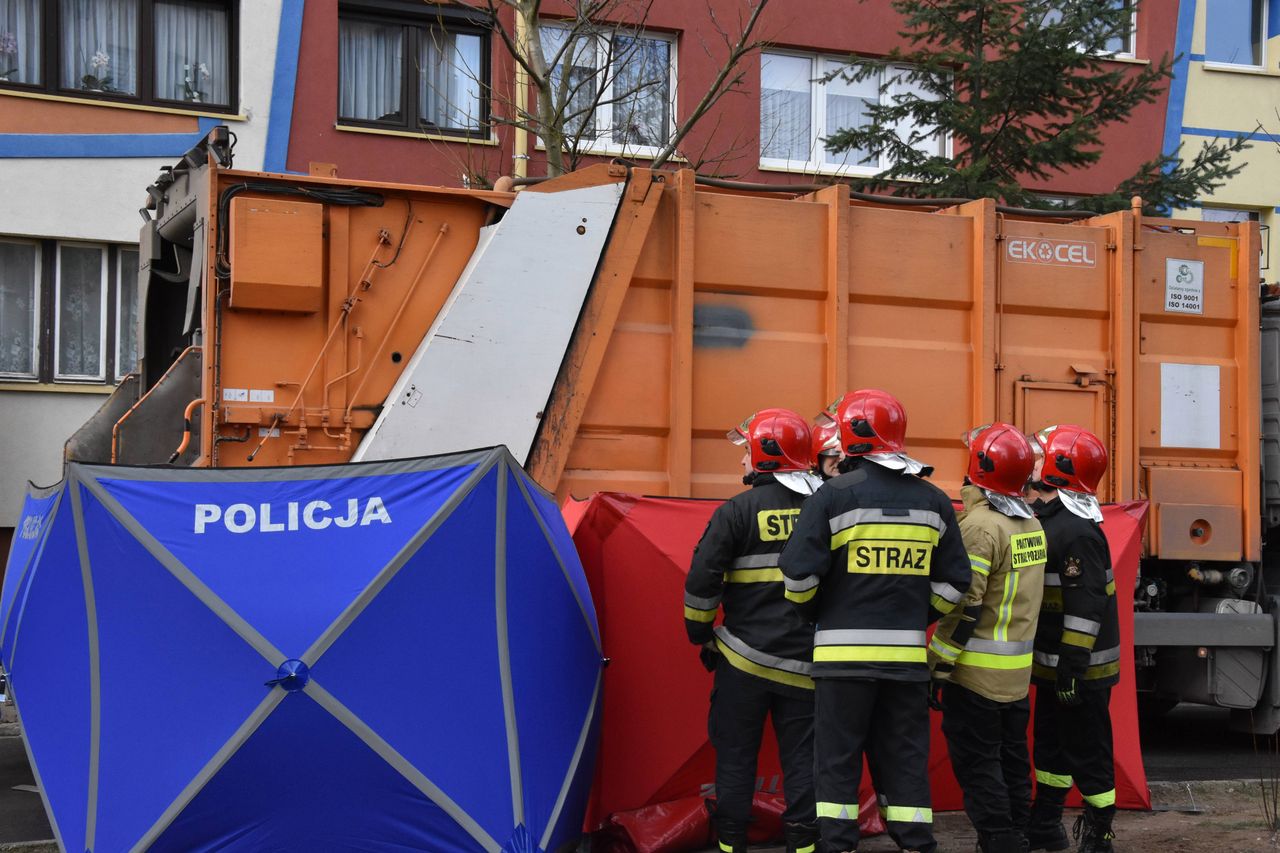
31 527
1056 253
292 516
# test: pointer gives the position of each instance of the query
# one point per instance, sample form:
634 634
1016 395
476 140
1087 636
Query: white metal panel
485 369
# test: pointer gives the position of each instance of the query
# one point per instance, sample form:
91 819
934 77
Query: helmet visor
972 435
738 435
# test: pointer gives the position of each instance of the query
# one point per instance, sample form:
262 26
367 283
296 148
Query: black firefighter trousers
739 704
1073 744
889 722
987 741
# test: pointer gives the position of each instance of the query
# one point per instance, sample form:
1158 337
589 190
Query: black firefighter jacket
876 557
735 565
1079 623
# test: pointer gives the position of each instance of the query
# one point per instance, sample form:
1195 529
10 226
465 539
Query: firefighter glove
708 655
1068 693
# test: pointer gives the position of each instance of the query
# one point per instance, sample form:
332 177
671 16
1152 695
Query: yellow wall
1236 101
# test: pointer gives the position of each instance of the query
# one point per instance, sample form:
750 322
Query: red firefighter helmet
1074 458
826 438
870 421
1000 458
778 439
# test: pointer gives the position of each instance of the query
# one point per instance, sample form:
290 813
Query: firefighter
826 448
876 556
760 653
980 653
1077 648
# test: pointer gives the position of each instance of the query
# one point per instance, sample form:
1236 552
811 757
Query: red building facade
376 124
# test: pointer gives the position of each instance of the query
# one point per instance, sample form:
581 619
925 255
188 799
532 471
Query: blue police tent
387 656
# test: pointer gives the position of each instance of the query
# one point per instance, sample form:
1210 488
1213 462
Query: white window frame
58 375
1131 52
603 116
818 122
120 250
36 308
1262 41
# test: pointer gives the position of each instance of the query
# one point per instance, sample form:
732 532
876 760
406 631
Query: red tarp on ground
654 746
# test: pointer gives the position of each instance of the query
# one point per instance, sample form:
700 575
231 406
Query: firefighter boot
732 835
800 837
1010 841
1093 830
1044 829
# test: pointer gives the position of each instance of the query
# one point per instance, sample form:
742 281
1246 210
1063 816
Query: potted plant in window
98 80
193 76
8 55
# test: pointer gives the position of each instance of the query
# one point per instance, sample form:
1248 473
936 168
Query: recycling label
1184 286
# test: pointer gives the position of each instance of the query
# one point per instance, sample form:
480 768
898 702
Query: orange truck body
610 325
709 303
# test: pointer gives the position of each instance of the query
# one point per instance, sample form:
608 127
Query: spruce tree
1024 91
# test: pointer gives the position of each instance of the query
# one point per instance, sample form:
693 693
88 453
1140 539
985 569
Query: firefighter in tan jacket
981 653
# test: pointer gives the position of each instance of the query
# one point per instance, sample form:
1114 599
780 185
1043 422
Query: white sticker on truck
1190 405
261 395
1183 286
235 395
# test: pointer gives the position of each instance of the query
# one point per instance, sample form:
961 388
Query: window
19 308
68 310
1119 43
412 71
176 53
620 87
798 111
1235 32
126 313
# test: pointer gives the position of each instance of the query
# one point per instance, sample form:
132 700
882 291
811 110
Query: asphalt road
1194 743
21 812
1190 743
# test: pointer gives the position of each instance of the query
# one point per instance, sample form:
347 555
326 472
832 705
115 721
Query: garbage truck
609 324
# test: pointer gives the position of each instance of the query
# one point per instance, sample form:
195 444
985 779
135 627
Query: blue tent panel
258 544
569 827
554 662
568 551
173 673
419 665
51 679
303 781
29 533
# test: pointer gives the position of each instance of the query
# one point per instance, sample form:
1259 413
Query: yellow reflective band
693 614
870 654
1075 638
1100 801
891 532
753 576
1005 611
781 676
1111 587
1102 670
979 565
943 648
808 848
1052 601
727 848
838 811
1039 670
907 814
940 604
990 661
1027 549
1053 780
800 597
